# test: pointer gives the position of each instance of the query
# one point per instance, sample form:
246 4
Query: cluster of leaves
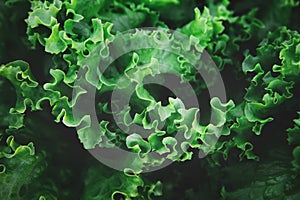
255 45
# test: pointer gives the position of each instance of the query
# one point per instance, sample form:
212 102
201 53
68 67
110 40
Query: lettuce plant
51 54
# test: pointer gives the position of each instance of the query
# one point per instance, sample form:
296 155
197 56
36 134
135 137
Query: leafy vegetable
57 56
